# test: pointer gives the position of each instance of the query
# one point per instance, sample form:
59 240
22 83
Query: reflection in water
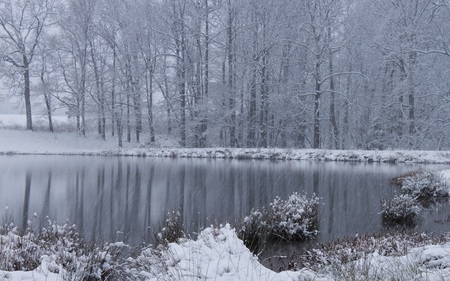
126 199
26 201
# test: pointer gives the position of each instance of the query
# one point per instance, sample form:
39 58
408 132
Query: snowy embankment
218 254
24 142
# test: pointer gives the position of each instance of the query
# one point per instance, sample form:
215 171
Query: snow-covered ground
219 255
41 273
19 120
39 142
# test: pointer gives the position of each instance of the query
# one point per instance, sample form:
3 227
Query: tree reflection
26 201
130 196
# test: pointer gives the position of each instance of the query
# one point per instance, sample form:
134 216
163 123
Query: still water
120 198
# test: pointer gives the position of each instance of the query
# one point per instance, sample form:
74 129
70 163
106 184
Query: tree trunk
251 128
136 101
113 93
316 141
100 130
181 75
83 89
411 98
149 90
334 126
27 94
128 119
264 108
231 87
48 105
204 121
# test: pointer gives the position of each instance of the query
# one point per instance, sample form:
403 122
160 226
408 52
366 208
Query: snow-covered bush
292 219
102 262
63 249
18 252
149 262
423 185
54 238
401 209
295 218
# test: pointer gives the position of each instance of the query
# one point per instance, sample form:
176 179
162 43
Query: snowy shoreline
218 254
16 142
400 156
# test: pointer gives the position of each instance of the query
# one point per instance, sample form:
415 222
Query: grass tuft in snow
172 230
343 251
254 230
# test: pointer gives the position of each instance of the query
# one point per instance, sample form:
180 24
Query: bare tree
22 23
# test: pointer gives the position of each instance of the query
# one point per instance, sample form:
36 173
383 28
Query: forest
333 74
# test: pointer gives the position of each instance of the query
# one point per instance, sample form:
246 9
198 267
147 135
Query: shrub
18 248
423 185
64 249
18 252
401 209
54 237
63 242
295 218
103 262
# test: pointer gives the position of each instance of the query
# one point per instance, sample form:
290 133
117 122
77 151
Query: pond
120 198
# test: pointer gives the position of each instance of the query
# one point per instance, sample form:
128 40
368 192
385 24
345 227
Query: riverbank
218 254
65 143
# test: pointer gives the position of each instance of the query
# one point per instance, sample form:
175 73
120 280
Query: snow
19 120
218 254
42 273
39 142
445 174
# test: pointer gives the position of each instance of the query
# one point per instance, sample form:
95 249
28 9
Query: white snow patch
445 174
42 273
218 254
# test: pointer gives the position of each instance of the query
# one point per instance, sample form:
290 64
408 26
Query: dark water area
126 199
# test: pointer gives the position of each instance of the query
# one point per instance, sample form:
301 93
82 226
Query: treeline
338 74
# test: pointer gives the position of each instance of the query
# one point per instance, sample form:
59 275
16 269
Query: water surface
122 198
